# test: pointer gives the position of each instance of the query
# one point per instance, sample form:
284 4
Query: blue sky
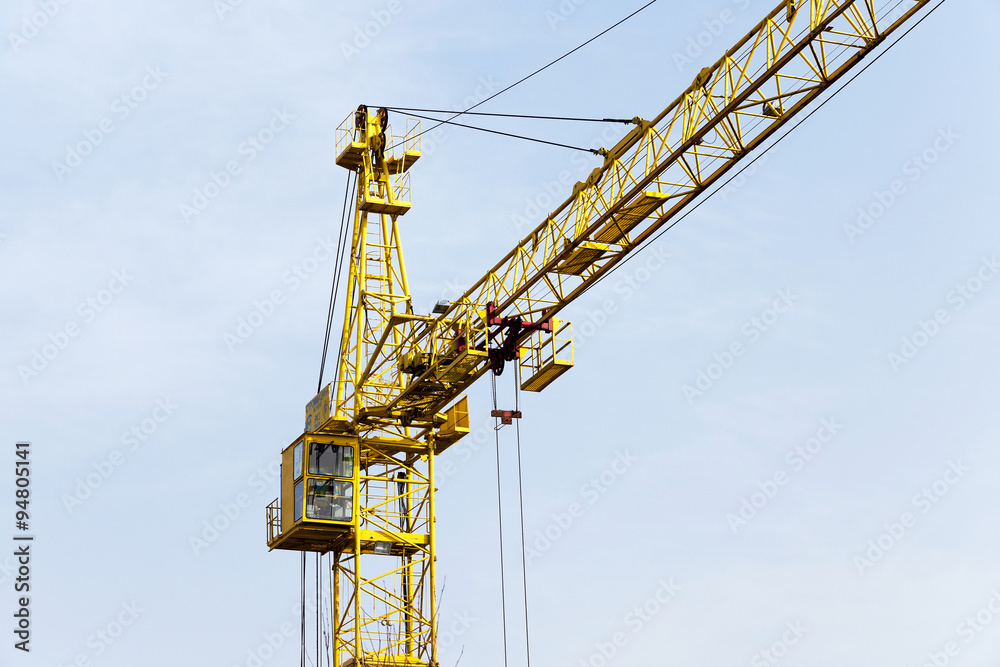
633 488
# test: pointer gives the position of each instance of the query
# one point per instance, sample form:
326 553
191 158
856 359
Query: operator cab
316 510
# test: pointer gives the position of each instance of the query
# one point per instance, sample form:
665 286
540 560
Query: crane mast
359 482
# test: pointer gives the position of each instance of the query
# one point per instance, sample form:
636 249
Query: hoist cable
335 287
503 588
302 660
334 564
537 71
507 134
624 121
520 500
318 613
763 152
340 262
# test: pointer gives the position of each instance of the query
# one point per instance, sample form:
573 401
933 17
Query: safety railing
274 520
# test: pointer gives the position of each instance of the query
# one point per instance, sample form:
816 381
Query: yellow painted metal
456 425
319 412
351 155
307 517
383 601
384 565
582 257
621 223
791 57
546 355
400 375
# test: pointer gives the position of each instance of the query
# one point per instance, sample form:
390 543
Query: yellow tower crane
358 483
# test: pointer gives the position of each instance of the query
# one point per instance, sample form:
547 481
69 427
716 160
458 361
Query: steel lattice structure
400 375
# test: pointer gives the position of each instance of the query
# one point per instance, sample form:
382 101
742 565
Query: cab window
329 500
298 501
331 460
297 461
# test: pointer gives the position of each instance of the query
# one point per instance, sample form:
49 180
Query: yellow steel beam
791 57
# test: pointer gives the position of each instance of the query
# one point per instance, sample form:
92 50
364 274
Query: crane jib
359 483
662 166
